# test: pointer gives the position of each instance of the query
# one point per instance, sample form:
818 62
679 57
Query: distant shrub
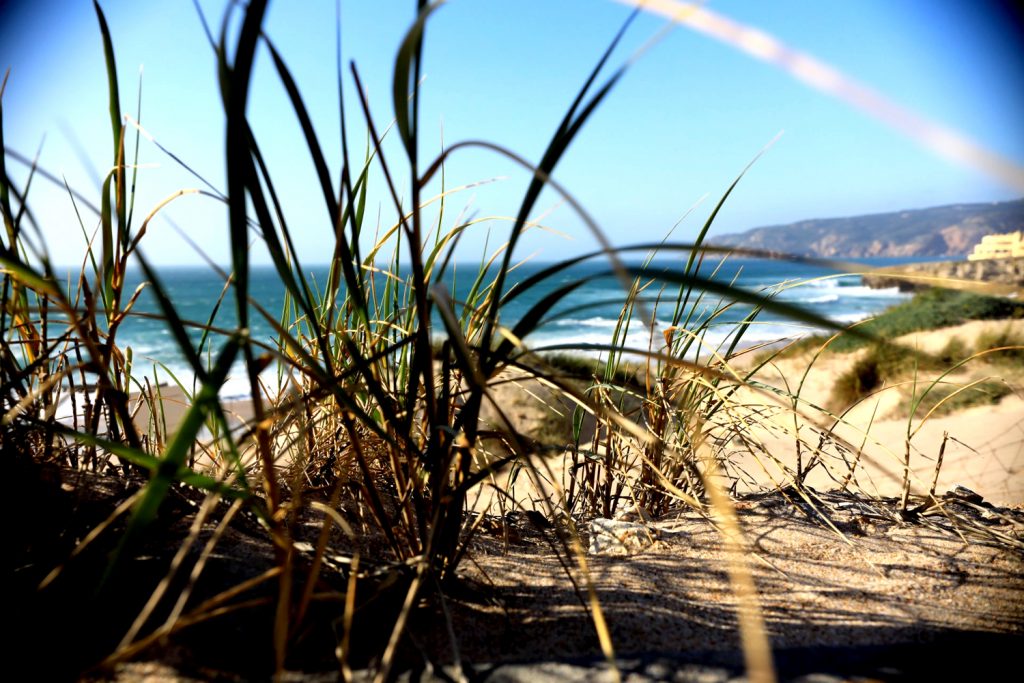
1005 336
855 383
932 309
928 310
881 364
986 393
954 351
586 368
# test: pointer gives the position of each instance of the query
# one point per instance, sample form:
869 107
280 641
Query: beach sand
985 451
879 585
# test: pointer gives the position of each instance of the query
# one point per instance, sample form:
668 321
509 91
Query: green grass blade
135 160
114 99
404 83
117 174
166 470
5 196
240 172
312 142
567 130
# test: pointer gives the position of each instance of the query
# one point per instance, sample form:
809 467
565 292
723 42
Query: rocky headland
941 232
1008 273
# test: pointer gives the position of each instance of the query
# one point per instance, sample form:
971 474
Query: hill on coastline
948 231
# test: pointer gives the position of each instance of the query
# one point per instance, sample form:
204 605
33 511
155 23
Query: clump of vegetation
954 351
588 368
932 309
856 383
928 310
884 364
945 399
879 365
1009 342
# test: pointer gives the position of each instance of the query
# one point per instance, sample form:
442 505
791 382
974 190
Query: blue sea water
586 316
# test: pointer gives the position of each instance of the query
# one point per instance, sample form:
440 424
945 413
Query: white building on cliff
1006 245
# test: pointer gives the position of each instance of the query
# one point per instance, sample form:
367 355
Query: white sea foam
862 292
596 321
823 299
641 339
838 290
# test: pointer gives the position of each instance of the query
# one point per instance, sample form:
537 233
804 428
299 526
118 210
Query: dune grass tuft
1007 344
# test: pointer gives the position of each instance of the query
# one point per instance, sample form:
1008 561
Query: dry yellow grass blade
210 609
211 543
399 628
179 557
939 139
124 507
757 651
331 514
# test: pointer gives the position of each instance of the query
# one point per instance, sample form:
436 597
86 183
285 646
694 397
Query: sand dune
985 451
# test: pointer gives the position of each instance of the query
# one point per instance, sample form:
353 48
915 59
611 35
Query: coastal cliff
994 271
941 231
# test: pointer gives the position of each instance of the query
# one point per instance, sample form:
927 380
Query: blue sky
689 115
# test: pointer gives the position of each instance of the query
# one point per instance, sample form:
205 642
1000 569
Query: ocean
588 316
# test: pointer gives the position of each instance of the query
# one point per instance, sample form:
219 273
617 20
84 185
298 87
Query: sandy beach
878 583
